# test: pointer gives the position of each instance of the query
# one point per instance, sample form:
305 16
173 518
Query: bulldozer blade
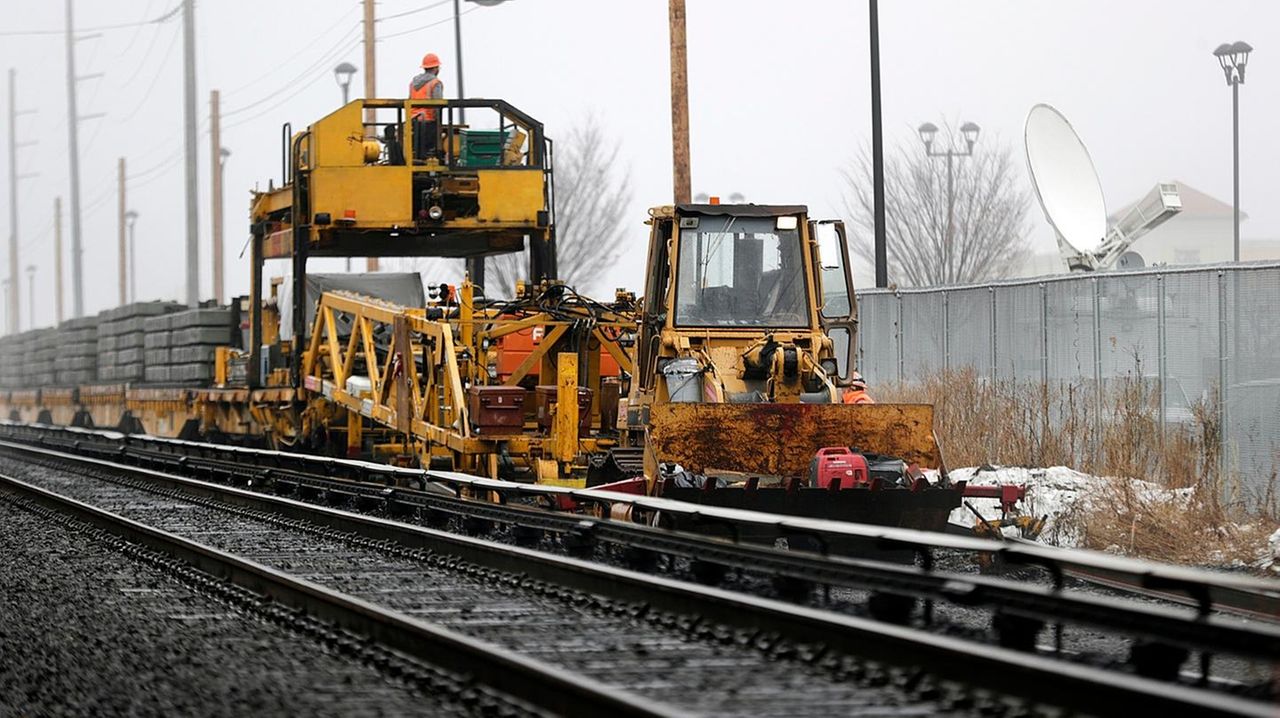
781 439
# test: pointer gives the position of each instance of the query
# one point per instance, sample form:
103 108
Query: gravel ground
652 656
86 630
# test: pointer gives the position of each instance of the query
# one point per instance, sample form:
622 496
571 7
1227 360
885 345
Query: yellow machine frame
427 407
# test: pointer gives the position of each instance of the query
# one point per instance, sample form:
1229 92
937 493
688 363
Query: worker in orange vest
856 393
426 86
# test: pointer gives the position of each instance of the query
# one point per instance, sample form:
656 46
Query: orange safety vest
426 114
857 396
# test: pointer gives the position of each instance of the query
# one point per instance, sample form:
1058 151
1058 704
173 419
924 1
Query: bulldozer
746 340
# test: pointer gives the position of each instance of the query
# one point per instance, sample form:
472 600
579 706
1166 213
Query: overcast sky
778 99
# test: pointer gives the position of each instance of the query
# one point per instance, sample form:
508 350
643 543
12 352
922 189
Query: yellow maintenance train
723 384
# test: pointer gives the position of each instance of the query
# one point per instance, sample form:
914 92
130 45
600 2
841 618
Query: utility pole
679 105
12 323
877 153
31 296
120 210
189 117
73 141
14 316
370 86
215 192
57 256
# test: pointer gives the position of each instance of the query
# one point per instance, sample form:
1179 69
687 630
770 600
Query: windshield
740 271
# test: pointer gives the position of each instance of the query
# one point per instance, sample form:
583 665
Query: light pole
131 217
969 131
342 73
457 46
31 296
475 265
1233 57
881 243
218 213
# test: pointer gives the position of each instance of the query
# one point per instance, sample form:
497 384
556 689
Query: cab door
838 308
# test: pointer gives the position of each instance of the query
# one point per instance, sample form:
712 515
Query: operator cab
753 298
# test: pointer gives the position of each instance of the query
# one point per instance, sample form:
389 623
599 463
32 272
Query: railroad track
792 630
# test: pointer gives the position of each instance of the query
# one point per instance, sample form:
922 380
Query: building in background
1199 234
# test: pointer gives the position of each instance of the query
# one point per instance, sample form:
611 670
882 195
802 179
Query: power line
101 28
281 99
333 52
160 68
138 31
275 67
424 27
413 12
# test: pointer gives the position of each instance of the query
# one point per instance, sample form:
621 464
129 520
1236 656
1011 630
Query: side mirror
828 245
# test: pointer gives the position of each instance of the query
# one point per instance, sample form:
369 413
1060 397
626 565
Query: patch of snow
1052 493
1273 543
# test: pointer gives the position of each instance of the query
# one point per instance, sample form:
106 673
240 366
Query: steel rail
1248 604
1044 603
1034 677
1257 598
503 671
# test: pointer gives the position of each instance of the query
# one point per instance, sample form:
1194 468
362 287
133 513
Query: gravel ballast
87 630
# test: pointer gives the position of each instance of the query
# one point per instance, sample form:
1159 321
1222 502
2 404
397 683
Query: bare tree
985 236
592 196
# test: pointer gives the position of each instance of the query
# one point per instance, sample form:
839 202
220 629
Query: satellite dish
1131 260
1065 181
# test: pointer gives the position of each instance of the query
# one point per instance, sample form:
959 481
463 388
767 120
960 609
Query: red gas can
838 463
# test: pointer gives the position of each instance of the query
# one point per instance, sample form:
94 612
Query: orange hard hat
430 60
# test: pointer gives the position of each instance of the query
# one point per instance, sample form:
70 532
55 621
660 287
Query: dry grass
1115 432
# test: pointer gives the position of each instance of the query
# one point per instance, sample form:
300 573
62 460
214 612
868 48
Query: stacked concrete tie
121 339
180 348
41 351
77 360
12 352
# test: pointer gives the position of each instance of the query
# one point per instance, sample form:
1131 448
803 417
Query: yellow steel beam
536 355
614 350
336 364
349 358
564 425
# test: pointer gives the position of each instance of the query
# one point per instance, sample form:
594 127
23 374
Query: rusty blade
781 439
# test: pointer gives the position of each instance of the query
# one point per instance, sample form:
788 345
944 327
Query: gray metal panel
404 289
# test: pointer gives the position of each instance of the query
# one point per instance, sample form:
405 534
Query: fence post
1162 367
858 361
946 331
1097 351
992 292
1223 414
901 334
1044 333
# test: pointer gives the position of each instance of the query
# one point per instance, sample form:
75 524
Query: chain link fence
1189 332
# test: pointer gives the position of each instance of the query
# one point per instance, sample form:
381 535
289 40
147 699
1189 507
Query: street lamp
31 296
969 132
131 217
343 75
1233 57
